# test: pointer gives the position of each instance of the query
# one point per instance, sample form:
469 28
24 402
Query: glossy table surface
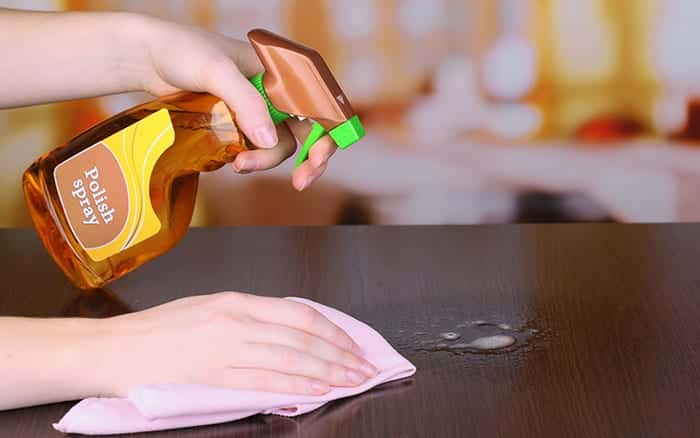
606 319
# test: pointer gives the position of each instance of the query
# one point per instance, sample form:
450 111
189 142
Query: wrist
84 358
115 346
80 363
134 64
102 365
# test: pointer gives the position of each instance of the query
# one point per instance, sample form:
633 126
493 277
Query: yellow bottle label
104 190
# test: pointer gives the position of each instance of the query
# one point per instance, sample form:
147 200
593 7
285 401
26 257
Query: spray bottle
123 192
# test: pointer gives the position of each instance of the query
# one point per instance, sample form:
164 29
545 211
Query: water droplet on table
450 336
492 342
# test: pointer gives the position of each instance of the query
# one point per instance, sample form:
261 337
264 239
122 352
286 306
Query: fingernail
319 388
354 377
305 184
266 136
245 165
368 369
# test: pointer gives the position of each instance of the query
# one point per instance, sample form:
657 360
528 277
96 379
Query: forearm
50 57
48 360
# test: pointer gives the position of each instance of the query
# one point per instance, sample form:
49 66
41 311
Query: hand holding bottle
230 340
96 54
176 58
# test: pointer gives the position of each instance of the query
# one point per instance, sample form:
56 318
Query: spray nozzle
298 83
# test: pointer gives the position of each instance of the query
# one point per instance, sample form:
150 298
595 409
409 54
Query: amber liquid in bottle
206 138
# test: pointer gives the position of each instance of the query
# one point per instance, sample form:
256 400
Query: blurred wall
472 107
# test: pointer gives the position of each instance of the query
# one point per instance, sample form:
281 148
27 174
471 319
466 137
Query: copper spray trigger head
298 83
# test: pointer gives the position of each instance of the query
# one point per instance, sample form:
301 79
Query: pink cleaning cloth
159 407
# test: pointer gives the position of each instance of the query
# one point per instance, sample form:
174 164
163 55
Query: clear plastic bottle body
206 138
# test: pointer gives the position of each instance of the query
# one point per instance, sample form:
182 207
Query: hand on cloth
170 406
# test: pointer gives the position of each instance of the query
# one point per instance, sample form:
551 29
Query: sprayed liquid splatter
483 337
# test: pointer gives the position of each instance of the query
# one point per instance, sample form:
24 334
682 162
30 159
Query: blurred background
500 111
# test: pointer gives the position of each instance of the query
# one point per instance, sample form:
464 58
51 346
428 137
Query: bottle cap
298 83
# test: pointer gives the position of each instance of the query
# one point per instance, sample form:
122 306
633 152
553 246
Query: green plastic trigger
276 115
317 131
344 135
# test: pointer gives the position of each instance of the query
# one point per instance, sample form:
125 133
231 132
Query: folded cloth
172 406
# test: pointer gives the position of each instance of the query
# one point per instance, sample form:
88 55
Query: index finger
319 155
301 317
242 54
322 151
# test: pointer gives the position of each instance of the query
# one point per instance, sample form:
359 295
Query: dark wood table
607 320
